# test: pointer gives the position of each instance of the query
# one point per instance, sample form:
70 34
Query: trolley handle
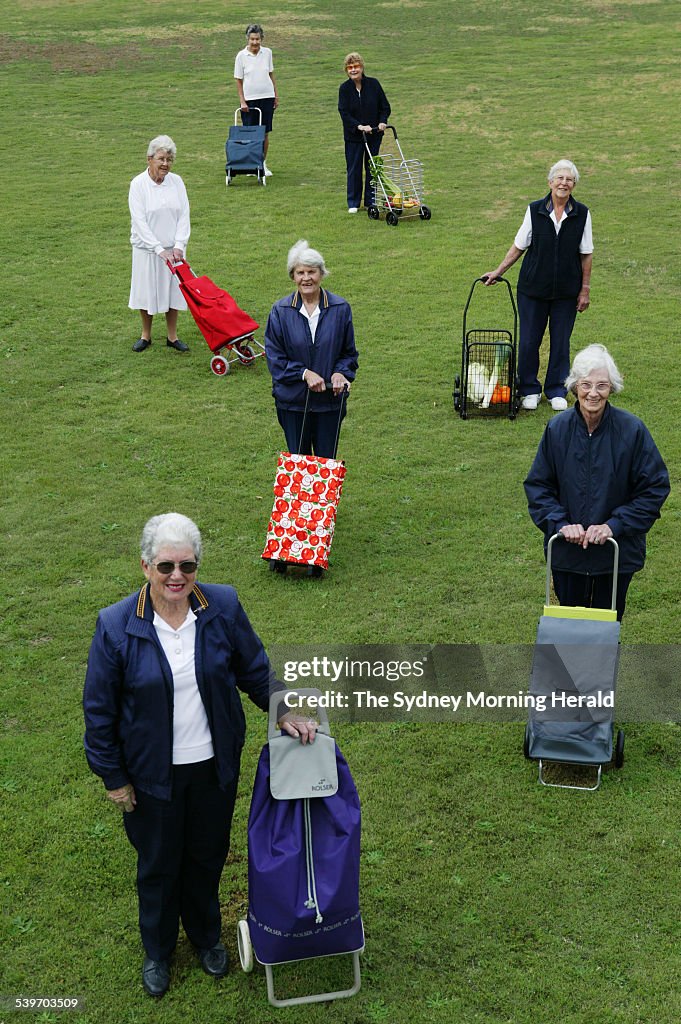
277 700
388 127
238 111
615 568
499 280
343 401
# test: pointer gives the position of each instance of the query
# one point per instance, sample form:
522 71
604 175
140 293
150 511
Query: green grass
485 897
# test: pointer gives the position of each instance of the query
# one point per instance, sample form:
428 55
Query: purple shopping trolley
303 858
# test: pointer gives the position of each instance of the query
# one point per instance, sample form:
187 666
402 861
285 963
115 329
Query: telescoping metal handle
344 397
277 699
238 111
615 568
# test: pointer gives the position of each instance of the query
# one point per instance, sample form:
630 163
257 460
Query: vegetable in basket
477 381
379 177
500 360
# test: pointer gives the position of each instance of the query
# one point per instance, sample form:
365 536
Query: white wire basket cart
396 183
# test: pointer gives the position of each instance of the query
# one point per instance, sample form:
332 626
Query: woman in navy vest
553 285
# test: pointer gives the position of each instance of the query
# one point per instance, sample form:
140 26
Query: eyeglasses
585 386
164 159
353 67
165 568
564 179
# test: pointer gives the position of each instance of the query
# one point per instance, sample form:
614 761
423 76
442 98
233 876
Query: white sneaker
531 401
352 209
558 404
268 173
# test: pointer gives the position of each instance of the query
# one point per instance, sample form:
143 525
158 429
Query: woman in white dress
159 211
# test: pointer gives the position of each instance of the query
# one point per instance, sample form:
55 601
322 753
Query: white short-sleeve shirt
254 71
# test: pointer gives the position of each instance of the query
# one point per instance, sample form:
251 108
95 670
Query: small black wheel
457 381
619 749
373 212
278 566
424 213
391 219
526 743
456 395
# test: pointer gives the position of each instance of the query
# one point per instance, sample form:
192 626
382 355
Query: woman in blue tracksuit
309 344
164 731
597 474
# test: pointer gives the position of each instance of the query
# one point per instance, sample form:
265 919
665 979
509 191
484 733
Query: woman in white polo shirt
254 74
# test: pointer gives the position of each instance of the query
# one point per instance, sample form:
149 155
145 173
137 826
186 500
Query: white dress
159 220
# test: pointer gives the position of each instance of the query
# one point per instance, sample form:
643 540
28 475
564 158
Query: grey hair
255 28
301 254
592 358
564 165
163 142
172 529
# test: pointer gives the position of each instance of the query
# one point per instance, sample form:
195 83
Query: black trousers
319 436
182 845
574 588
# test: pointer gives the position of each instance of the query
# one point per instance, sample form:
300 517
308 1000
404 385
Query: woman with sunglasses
597 474
363 107
164 731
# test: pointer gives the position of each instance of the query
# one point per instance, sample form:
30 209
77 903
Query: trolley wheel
243 940
392 219
456 395
373 212
245 353
619 749
424 213
219 366
276 565
526 743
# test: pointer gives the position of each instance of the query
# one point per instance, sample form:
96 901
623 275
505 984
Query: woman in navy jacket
309 342
363 107
164 731
597 474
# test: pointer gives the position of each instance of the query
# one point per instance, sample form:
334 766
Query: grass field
486 898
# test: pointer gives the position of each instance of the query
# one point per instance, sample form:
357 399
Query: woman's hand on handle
340 383
314 381
300 728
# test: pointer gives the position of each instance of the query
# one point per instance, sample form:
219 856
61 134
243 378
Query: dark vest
552 268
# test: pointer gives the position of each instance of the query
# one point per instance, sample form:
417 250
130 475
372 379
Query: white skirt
152 286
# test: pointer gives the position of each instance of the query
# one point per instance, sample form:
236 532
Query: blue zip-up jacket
552 266
128 697
289 350
615 476
368 106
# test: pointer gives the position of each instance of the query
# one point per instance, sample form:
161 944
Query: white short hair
564 165
593 357
172 529
163 142
301 254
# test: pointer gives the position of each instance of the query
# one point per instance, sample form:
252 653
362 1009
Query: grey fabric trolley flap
301 771
572 685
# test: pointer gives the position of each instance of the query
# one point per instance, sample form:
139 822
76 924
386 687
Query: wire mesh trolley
396 183
487 385
574 674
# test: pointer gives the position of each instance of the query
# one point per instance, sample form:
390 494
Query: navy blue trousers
318 437
356 158
535 314
182 845
574 588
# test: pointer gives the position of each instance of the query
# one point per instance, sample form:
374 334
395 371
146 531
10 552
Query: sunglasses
165 568
353 67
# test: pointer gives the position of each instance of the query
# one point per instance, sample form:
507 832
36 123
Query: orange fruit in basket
500 394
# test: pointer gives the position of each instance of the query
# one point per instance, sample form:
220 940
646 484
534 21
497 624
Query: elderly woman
159 211
309 342
555 239
597 474
254 74
164 730
363 107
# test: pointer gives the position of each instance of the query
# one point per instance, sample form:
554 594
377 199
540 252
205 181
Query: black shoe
155 977
215 961
178 345
140 345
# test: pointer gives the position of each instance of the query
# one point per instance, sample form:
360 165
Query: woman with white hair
597 474
164 731
159 213
311 354
554 283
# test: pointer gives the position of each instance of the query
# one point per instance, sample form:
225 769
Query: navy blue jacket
289 350
128 698
368 106
552 266
615 476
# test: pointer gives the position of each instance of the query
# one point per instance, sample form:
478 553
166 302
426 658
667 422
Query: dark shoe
178 345
140 345
155 977
214 961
